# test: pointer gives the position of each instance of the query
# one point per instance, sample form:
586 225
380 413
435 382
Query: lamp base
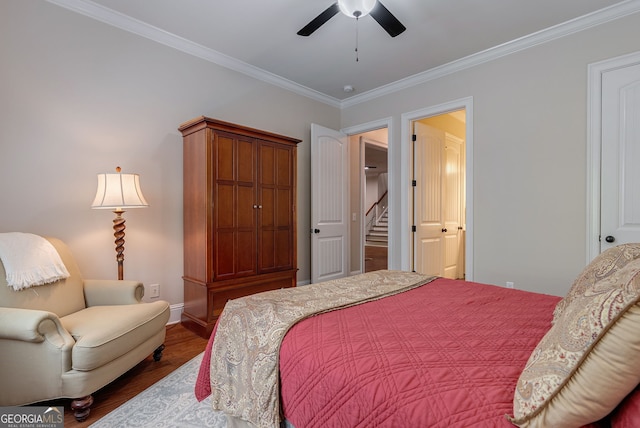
118 228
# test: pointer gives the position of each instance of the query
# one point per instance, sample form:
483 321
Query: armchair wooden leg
157 354
81 407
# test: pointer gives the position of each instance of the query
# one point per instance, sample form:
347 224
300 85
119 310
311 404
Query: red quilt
447 354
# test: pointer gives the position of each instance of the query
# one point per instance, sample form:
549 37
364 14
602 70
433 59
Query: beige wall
80 97
529 152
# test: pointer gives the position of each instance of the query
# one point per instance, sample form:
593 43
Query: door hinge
414 183
414 228
414 137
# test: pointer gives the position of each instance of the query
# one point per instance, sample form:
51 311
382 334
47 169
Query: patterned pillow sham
605 264
587 362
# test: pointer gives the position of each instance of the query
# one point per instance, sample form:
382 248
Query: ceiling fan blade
386 19
319 20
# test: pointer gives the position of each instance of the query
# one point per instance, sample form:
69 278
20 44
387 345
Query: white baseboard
175 313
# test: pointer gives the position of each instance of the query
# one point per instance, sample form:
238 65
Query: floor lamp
117 192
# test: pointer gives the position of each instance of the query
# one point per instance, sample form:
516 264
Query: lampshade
119 191
356 8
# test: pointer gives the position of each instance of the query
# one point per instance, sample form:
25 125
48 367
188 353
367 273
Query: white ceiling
258 37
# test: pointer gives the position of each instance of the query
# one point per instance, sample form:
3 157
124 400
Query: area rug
169 402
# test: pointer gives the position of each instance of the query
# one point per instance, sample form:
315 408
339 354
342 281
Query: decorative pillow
588 361
605 264
627 414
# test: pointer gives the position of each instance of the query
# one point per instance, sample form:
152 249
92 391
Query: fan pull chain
357 59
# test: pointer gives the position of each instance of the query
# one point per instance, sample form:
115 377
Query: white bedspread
30 260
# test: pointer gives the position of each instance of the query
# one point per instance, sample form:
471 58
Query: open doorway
369 200
376 203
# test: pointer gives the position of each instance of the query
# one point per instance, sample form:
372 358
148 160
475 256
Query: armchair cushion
104 333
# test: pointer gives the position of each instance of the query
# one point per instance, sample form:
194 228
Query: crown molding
593 19
140 28
135 26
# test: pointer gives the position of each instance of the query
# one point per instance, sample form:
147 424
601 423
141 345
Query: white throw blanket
30 260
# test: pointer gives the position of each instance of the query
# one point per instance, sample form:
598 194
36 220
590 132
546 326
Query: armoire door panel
282 251
267 210
283 168
245 161
243 208
224 243
284 204
266 254
245 254
223 155
224 205
267 165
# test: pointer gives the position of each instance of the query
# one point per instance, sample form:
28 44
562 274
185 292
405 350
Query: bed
433 352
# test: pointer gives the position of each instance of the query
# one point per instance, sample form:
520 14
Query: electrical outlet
509 284
154 290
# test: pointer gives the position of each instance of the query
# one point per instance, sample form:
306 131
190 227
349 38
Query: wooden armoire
239 216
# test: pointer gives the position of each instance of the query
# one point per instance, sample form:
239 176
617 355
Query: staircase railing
376 211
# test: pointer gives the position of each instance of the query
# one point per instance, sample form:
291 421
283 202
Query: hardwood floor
181 346
375 258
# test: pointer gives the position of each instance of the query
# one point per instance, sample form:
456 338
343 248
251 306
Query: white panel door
620 168
329 204
438 202
428 211
452 181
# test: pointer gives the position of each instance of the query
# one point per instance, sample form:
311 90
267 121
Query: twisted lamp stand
118 228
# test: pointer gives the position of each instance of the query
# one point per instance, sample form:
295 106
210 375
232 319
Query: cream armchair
70 338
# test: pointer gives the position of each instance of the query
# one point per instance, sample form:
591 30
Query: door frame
406 205
594 144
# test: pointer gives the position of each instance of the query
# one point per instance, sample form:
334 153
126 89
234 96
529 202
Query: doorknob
315 230
444 229
610 239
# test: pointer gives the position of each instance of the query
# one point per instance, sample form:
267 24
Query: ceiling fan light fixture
356 8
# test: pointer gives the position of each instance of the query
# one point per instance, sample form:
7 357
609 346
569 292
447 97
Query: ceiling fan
357 9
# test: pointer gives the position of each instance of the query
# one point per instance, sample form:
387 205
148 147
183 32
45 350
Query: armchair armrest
98 292
35 349
30 325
